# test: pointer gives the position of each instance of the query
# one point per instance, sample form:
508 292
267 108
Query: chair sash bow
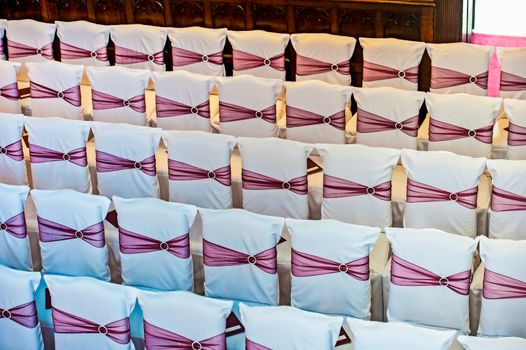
499 286
502 200
10 92
443 78
70 52
128 56
306 265
70 95
374 72
297 117
39 154
256 181
516 135
179 171
250 345
418 192
157 338
218 256
15 226
404 273
244 60
182 57
107 162
25 314
169 108
335 187
102 100
310 66
18 50
134 243
66 323
442 131
13 151
370 122
512 82
50 231
229 112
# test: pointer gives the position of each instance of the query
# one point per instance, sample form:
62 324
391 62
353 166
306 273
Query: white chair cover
516 112
3 25
199 168
9 95
513 72
358 177
479 343
454 209
244 233
32 34
274 176
12 164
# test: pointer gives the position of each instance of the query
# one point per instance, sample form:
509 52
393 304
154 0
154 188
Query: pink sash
374 72
157 338
134 243
182 57
244 60
50 231
219 256
10 92
418 192
25 314
310 66
370 122
102 100
406 274
169 108
127 56
255 181
499 286
70 52
229 112
512 82
15 226
516 135
39 154
107 162
18 50
13 151
66 323
506 201
335 187
250 345
70 95
297 117
443 78
179 171
306 265
442 131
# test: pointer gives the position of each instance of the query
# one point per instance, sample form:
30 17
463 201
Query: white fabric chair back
11 150
83 42
9 95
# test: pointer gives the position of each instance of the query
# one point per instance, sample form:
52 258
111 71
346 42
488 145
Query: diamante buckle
401 74
327 120
60 94
137 165
399 126
211 175
285 186
66 157
194 110
252 259
453 197
150 58
370 190
204 58
443 281
164 246
79 234
3 226
334 67
472 79
6 314
196 345
126 103
343 268
102 330
3 150
266 62
93 54
472 133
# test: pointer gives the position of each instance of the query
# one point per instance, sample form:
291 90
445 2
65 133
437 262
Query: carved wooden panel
69 10
402 25
109 11
148 12
188 13
229 15
272 18
357 21
21 9
313 20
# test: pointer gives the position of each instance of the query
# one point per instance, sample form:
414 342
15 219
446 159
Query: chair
12 164
29 40
480 343
513 73
83 43
274 176
71 233
516 113
391 62
325 57
3 25
258 53
154 243
9 95
90 314
198 50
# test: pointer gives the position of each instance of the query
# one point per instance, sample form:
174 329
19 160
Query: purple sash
66 323
244 60
374 72
71 52
169 108
442 131
306 265
18 50
39 154
297 117
502 200
406 274
250 345
310 66
516 135
107 162
499 286
370 122
70 95
443 78
134 243
102 100
10 92
229 112
255 181
15 226
418 192
335 187
179 171
219 256
50 231
182 57
512 82
157 338
127 56
25 314
13 151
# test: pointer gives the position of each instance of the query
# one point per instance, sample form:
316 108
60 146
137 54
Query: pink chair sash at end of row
216 255
169 108
50 231
499 286
25 314
10 92
404 273
502 200
70 95
443 78
103 100
182 57
250 345
13 151
244 60
157 338
256 181
418 192
297 117
512 82
15 226
66 323
335 187
229 112
128 56
516 135
39 154
135 243
71 52
107 162
179 171
18 50
442 131
311 66
306 265
374 72
369 122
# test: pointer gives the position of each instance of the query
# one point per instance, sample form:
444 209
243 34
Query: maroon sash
297 117
512 82
70 95
370 122
443 78
516 135
13 151
107 162
244 60
18 50
255 181
442 131
182 57
335 187
71 52
102 100
169 108
15 226
157 338
179 171
50 231
229 112
502 200
124 55
310 66
306 265
499 286
10 92
418 192
39 154
135 243
25 314
374 72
